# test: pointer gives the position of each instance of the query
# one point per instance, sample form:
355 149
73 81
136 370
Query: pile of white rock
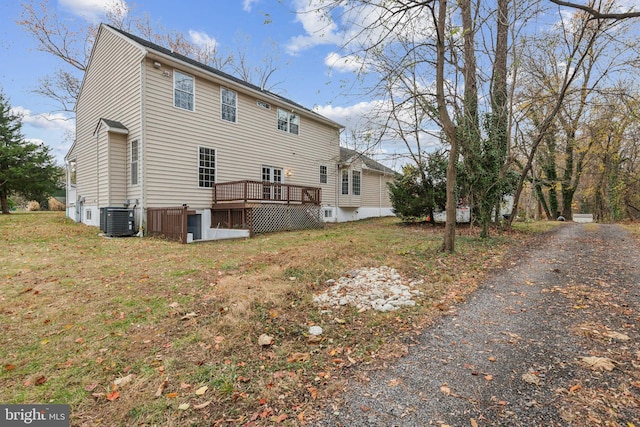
382 289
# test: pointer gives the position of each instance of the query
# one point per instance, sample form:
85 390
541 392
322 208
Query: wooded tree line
543 89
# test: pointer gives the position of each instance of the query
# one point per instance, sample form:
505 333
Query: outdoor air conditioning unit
117 222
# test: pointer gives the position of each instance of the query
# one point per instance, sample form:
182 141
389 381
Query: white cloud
248 4
203 40
353 116
348 63
354 27
92 10
45 121
319 27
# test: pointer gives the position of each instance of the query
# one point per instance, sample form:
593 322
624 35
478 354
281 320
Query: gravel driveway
531 347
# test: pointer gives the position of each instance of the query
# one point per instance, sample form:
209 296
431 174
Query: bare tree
71 41
593 9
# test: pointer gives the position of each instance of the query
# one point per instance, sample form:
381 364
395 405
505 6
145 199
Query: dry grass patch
181 322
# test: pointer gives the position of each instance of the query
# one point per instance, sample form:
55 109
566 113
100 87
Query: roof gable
348 155
150 46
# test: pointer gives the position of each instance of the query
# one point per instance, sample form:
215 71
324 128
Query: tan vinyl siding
375 192
351 201
117 169
173 136
110 90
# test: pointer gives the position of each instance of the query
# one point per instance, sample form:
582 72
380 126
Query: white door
271 177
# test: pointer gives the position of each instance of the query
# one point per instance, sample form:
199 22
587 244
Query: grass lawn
137 331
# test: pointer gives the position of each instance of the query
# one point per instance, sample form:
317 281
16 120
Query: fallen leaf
313 392
281 418
202 405
473 422
394 383
40 380
91 387
299 357
301 417
599 363
121 382
446 390
9 367
161 387
575 388
183 406
616 336
488 377
189 316
531 378
202 390
113 395
172 395
491 359
265 340
218 339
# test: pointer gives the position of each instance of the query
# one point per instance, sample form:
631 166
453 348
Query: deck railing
262 191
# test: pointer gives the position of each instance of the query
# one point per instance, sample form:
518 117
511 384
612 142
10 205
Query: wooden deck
242 192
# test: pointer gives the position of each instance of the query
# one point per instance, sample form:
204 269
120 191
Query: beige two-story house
178 148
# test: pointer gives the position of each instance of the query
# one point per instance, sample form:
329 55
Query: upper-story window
229 100
355 183
183 91
323 174
288 121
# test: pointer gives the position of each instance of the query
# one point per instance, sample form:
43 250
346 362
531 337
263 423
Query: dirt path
512 354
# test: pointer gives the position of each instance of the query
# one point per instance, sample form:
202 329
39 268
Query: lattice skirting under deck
270 218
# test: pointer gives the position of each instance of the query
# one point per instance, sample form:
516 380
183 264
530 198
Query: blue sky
311 68
304 45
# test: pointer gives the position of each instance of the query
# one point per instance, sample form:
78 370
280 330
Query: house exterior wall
111 90
174 135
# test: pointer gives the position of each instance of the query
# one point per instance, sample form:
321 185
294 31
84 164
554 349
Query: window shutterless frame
184 86
206 167
228 105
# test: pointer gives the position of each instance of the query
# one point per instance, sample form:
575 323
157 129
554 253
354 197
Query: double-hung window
355 183
134 162
229 105
345 181
183 91
288 121
207 167
323 174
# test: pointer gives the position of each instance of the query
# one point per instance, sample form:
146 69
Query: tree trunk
450 131
4 203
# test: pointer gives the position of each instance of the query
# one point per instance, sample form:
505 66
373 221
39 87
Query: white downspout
142 173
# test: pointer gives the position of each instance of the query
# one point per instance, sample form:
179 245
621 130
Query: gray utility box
117 222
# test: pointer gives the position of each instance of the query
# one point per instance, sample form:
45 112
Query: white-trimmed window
87 214
73 175
207 167
229 105
355 183
288 121
345 181
328 213
183 91
324 177
134 162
